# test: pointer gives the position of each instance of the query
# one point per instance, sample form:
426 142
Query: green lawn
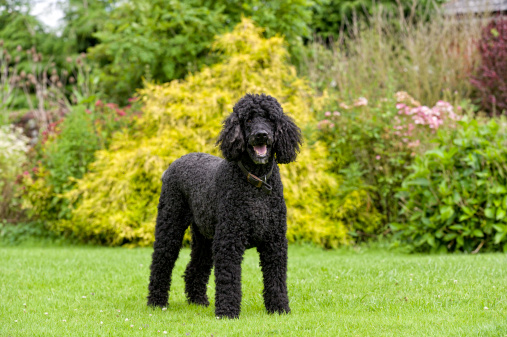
95 291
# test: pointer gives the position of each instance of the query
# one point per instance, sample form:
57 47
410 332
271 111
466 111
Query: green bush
456 195
13 148
164 40
67 147
64 155
115 203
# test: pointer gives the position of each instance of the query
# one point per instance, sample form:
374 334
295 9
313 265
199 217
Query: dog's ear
288 139
230 140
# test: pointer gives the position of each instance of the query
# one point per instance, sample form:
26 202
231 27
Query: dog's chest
258 218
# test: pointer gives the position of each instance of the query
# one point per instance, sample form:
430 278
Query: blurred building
464 7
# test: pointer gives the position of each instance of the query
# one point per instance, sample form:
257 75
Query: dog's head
258 126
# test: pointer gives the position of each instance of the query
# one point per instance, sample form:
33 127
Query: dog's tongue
260 149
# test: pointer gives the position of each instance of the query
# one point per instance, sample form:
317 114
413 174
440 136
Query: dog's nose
261 136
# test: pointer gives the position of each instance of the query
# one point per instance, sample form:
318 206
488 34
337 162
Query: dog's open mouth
260 150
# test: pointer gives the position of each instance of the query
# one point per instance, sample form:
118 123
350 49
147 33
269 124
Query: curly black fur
226 213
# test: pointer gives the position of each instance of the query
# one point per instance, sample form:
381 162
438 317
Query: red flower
98 103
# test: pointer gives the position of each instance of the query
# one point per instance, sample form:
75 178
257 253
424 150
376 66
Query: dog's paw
157 302
280 311
229 315
200 301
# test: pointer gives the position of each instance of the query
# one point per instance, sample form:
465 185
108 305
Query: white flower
165 332
131 326
84 296
101 322
126 319
486 308
150 314
16 320
455 281
164 309
45 313
64 320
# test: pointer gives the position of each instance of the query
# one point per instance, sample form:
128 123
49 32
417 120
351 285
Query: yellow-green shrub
115 203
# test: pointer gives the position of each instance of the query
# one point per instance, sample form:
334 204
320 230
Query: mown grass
92 291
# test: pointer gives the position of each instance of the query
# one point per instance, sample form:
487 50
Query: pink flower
88 111
121 113
327 113
378 157
336 113
361 101
98 103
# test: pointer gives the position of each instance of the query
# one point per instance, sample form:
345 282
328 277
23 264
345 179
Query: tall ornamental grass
383 54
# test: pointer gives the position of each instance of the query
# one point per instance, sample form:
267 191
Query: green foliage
82 20
19 28
64 154
13 148
116 201
372 159
164 40
456 195
25 232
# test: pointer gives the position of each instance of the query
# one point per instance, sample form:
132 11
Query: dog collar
256 181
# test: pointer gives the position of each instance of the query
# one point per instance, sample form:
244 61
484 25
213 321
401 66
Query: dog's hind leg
198 269
173 219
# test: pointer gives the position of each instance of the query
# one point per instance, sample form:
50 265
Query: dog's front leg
228 250
273 260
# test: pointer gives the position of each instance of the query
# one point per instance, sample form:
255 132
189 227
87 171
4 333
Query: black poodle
231 205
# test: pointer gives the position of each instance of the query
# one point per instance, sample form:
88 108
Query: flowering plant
373 145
